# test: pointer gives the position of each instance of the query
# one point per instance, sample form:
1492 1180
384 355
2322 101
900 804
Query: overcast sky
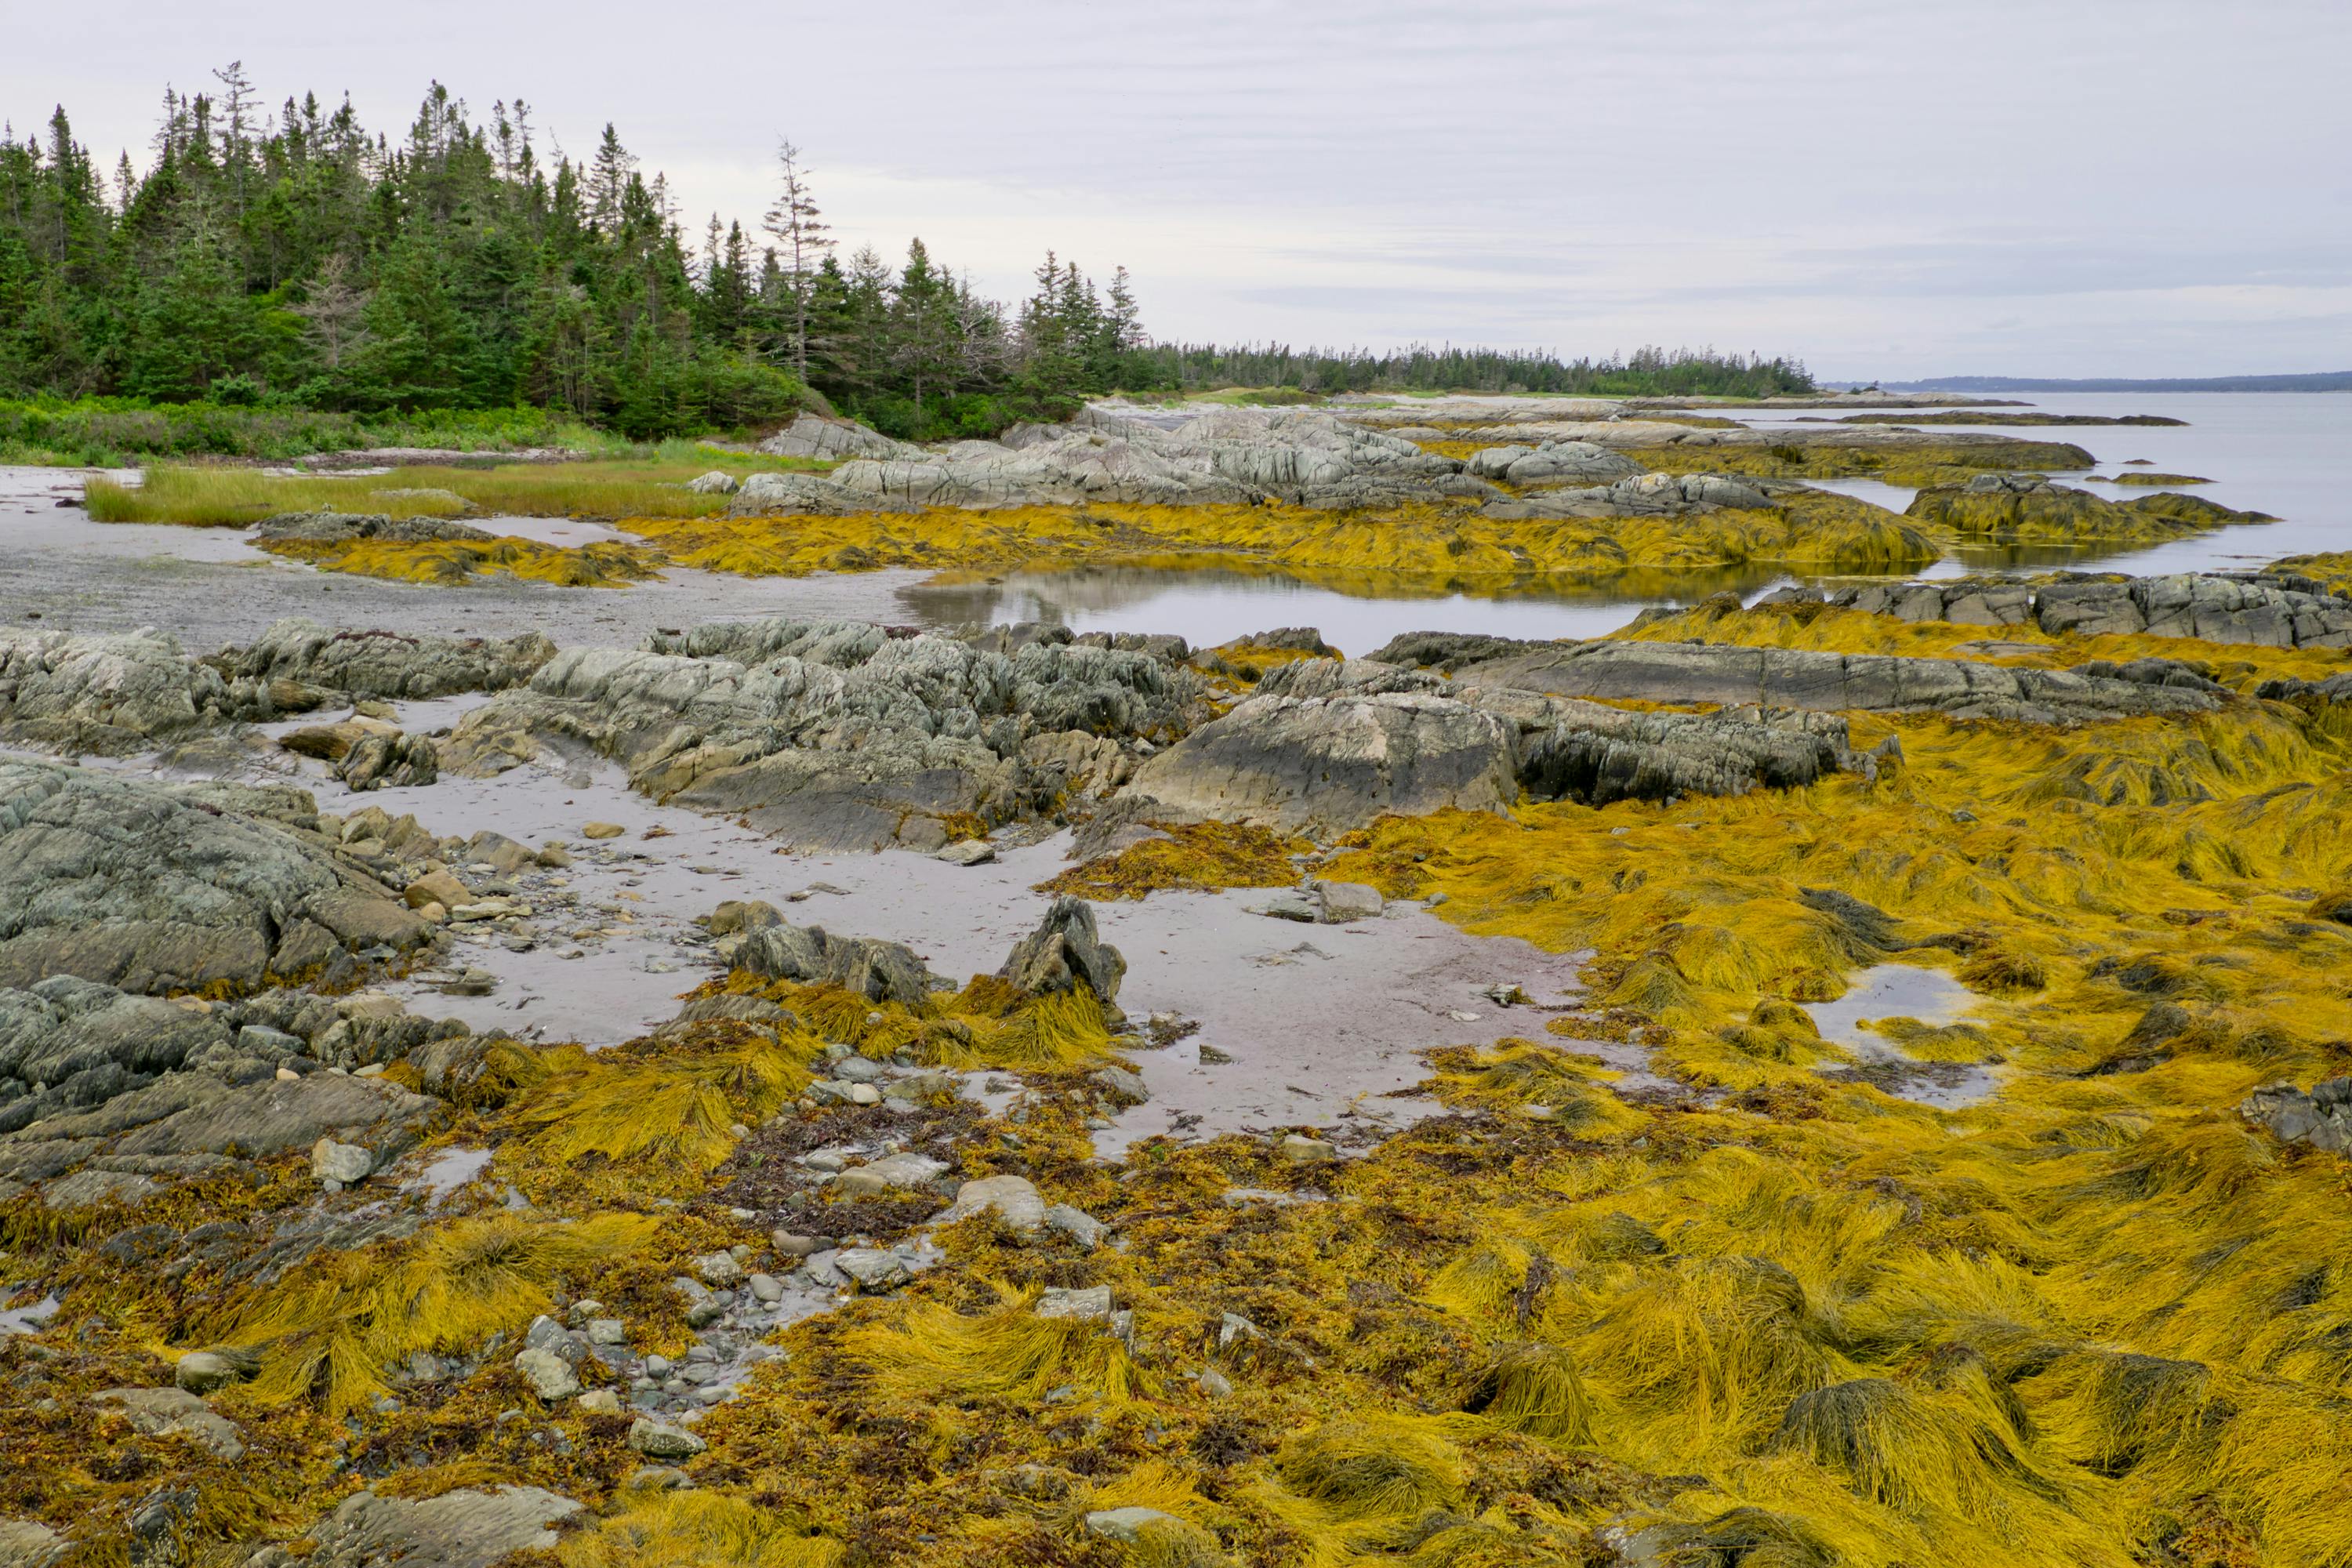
2040 187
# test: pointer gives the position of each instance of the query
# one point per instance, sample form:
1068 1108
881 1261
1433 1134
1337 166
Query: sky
2053 188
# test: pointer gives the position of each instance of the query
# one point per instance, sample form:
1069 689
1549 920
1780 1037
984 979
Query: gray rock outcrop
1329 764
832 735
2207 607
112 693
814 435
1648 495
2321 1118
877 970
157 888
1220 457
386 664
1826 682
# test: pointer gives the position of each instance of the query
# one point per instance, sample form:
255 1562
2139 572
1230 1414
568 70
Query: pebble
767 1287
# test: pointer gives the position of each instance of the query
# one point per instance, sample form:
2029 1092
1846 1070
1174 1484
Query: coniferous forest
290 260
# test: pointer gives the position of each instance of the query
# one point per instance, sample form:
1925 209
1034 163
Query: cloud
2132 185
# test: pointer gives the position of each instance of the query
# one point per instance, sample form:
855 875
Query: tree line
293 260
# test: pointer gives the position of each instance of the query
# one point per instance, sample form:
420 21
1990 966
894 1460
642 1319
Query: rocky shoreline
540 1087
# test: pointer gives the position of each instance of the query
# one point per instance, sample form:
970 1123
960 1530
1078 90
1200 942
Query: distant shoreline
2321 381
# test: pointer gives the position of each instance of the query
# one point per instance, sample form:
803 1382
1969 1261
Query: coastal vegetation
271 284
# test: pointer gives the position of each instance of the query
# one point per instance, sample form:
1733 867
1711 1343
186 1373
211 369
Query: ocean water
2288 454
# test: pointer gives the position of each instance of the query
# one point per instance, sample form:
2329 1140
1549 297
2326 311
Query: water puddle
1903 990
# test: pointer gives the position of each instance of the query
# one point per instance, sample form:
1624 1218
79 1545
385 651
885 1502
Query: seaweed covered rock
111 693
2029 507
157 888
831 734
386 664
1065 953
344 527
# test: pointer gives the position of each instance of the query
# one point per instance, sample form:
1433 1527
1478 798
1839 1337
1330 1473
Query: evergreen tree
801 244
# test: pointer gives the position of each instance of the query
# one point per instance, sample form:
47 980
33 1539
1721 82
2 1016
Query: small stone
1077 1224
1126 1525
658 1440
871 1267
967 852
1090 1302
657 1366
865 1094
767 1287
1121 1084
473 982
719 1269
551 1375
1215 1385
202 1372
607 1332
345 1165
602 1401
791 1245
1013 1199
702 1314
1340 903
1298 1149
1290 907
601 830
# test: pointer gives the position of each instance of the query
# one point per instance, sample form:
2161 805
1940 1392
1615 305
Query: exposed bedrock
102 1093
112 693
1647 495
1329 746
1552 463
2210 608
386 664
156 887
837 735
1224 457
1817 680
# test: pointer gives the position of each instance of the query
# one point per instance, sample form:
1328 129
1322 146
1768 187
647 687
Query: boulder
2321 1118
1013 1199
657 1440
718 482
340 1165
1066 954
1328 764
389 762
877 970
